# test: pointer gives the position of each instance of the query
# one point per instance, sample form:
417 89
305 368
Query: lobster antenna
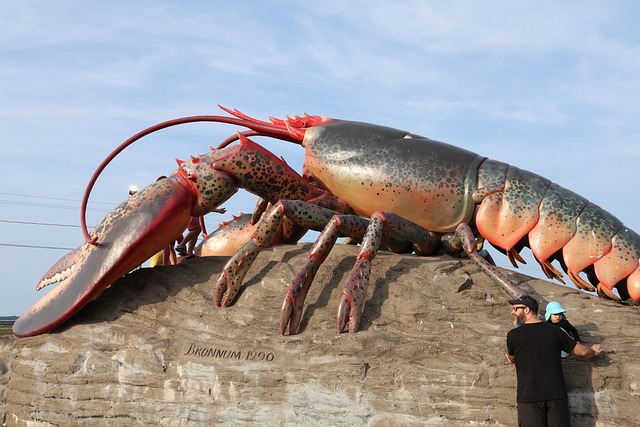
261 128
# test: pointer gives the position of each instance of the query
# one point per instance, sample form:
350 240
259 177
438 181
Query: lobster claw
231 236
228 238
129 235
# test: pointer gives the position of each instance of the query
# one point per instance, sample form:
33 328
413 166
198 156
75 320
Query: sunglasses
517 308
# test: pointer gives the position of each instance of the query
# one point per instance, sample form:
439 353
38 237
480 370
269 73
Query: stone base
153 350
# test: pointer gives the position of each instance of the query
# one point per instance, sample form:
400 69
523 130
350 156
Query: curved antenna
260 127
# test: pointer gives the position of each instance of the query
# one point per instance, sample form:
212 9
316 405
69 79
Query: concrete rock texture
153 350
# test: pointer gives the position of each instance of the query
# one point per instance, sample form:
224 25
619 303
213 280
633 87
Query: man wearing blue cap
535 347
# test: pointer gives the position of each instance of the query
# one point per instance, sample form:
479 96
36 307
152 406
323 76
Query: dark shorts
551 413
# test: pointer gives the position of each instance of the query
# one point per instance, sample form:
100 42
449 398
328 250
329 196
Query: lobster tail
633 285
621 264
519 208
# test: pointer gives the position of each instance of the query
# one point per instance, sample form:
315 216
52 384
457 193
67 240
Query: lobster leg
354 291
464 235
306 215
383 226
234 271
291 313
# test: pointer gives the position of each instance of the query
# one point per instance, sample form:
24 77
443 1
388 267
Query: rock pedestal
153 350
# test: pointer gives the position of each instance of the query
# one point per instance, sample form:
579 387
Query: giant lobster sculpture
375 184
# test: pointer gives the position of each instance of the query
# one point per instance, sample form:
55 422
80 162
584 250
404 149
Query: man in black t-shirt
535 347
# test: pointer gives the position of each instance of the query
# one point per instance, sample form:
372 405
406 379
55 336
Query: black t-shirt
564 324
537 347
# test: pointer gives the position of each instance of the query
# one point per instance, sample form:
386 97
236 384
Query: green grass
5 330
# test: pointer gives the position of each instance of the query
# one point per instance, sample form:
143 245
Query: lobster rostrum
374 184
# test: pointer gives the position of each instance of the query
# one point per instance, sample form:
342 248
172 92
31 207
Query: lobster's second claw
228 238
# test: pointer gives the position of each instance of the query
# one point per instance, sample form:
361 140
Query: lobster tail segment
633 285
519 208
621 263
595 229
602 243
510 209
557 224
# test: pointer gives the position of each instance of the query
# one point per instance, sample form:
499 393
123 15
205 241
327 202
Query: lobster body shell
374 167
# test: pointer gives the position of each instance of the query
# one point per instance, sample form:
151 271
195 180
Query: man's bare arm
581 350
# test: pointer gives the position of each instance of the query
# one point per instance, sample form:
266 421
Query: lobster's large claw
129 235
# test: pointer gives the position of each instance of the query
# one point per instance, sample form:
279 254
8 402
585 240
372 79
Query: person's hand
597 349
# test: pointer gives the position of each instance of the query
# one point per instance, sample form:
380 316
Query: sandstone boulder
152 350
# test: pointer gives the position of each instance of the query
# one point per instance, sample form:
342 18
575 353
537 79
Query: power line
53 205
53 198
49 205
39 223
36 247
46 205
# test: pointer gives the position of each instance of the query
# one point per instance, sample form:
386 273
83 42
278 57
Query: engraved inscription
218 353
260 355
201 351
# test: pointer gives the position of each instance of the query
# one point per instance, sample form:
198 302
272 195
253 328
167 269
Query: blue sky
551 87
